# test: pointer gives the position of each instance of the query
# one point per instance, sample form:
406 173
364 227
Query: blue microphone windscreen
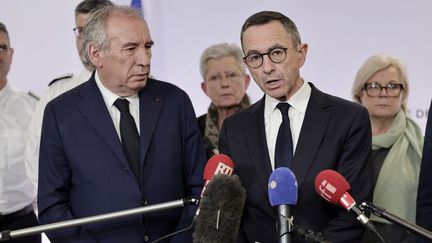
282 187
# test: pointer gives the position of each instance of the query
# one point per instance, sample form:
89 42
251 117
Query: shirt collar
110 97
298 101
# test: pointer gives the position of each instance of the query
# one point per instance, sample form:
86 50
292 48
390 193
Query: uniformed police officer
17 193
60 85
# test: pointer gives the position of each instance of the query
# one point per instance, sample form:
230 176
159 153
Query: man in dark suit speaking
321 132
120 140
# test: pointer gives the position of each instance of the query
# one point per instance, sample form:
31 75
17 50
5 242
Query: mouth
140 76
272 83
226 95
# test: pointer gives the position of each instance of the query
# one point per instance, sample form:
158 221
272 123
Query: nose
383 92
268 65
143 57
224 81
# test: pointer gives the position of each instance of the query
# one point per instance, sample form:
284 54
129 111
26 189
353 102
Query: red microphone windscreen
218 164
331 185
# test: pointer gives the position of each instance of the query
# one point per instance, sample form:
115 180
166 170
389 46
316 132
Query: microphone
333 187
282 192
217 164
220 210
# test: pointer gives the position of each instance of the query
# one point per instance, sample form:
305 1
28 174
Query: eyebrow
268 49
137 43
388 82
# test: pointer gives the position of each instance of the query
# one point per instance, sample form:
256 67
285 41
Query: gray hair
219 51
89 6
373 65
95 30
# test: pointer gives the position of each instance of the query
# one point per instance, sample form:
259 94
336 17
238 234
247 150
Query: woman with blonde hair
381 85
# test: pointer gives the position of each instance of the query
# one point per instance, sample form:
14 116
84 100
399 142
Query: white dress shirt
296 113
109 98
16 110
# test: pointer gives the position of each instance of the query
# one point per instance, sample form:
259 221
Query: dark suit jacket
424 194
83 170
335 134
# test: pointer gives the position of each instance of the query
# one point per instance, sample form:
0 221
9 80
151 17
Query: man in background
119 141
59 86
17 193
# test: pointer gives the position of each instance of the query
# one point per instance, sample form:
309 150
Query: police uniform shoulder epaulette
66 76
33 95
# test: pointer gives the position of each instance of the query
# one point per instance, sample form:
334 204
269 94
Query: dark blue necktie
284 146
129 137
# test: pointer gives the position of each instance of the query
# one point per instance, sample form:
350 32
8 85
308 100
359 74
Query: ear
204 87
247 81
95 55
301 53
11 52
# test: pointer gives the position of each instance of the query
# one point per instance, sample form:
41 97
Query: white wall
341 35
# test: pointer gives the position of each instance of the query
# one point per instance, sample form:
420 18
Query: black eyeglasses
392 89
78 32
255 60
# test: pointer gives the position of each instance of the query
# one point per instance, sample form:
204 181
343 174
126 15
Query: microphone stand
8 235
382 213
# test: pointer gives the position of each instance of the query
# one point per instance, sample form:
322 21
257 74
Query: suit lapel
150 107
311 134
94 109
256 141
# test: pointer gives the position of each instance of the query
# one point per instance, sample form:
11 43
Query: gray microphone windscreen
221 209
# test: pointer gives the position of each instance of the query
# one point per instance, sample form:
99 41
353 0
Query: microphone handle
285 223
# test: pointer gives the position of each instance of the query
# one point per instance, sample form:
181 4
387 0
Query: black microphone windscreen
221 209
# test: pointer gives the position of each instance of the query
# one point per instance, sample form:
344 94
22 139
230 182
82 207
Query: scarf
211 132
396 187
